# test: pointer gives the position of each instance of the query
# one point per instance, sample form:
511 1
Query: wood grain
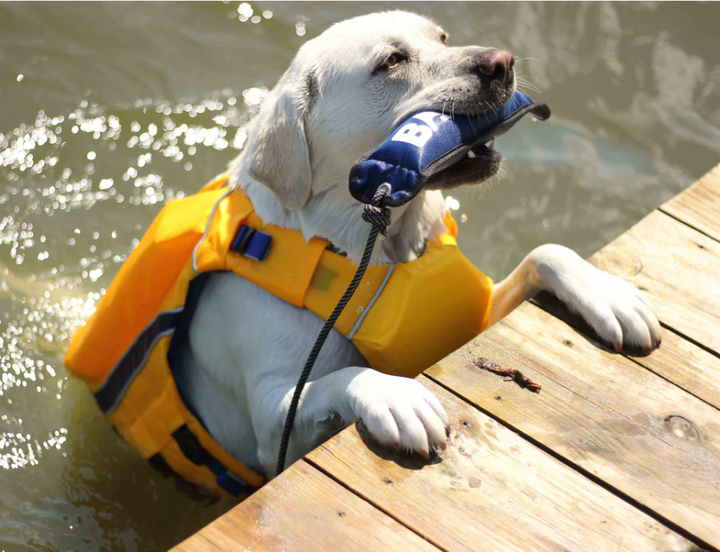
303 509
688 366
602 417
678 360
678 267
198 543
491 490
699 205
618 421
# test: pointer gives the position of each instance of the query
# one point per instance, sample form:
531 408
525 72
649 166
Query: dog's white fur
246 347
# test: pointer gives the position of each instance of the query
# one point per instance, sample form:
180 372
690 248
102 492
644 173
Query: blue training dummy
429 142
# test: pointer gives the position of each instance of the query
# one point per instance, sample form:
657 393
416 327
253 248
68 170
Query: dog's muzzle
430 142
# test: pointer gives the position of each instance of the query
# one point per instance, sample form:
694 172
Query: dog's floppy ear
278 155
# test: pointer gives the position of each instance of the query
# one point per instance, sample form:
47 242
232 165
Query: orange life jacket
403 318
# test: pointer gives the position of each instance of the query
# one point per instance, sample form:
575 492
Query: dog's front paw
620 314
399 412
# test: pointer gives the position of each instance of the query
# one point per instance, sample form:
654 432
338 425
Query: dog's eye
394 60
443 38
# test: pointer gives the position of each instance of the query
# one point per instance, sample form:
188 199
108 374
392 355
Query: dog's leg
618 312
397 411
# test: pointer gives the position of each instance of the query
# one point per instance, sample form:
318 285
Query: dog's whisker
522 83
524 87
526 83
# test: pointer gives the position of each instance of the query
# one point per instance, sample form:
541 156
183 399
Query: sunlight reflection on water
64 229
85 165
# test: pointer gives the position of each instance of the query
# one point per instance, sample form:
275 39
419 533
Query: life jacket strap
160 464
199 455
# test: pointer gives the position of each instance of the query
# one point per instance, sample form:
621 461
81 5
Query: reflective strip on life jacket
110 393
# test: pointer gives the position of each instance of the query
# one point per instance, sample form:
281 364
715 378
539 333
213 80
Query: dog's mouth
483 152
435 150
482 161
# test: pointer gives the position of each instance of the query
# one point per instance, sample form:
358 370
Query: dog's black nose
496 64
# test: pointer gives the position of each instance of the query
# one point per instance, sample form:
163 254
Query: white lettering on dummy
418 134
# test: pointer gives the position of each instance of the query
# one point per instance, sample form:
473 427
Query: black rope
379 216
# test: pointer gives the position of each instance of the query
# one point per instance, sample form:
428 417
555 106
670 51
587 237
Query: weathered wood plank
688 366
641 434
304 509
699 205
678 267
198 543
491 490
678 360
601 412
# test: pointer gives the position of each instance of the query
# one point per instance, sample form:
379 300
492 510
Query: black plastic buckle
190 446
252 243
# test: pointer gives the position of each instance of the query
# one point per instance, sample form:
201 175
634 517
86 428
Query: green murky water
107 111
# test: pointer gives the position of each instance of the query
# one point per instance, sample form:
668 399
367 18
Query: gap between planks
582 471
697 205
375 504
670 347
677 267
678 217
609 415
492 490
302 509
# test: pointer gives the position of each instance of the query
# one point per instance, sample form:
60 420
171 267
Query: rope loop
376 213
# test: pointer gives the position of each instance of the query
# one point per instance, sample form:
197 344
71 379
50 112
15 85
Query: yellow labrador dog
344 92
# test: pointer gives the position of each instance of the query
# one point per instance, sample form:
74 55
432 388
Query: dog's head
347 89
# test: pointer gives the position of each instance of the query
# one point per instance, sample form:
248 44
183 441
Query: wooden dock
615 452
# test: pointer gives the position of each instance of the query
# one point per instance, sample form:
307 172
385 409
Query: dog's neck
335 216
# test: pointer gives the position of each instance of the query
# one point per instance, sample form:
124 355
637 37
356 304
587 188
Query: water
107 111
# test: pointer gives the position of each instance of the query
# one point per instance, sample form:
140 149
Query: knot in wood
682 428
